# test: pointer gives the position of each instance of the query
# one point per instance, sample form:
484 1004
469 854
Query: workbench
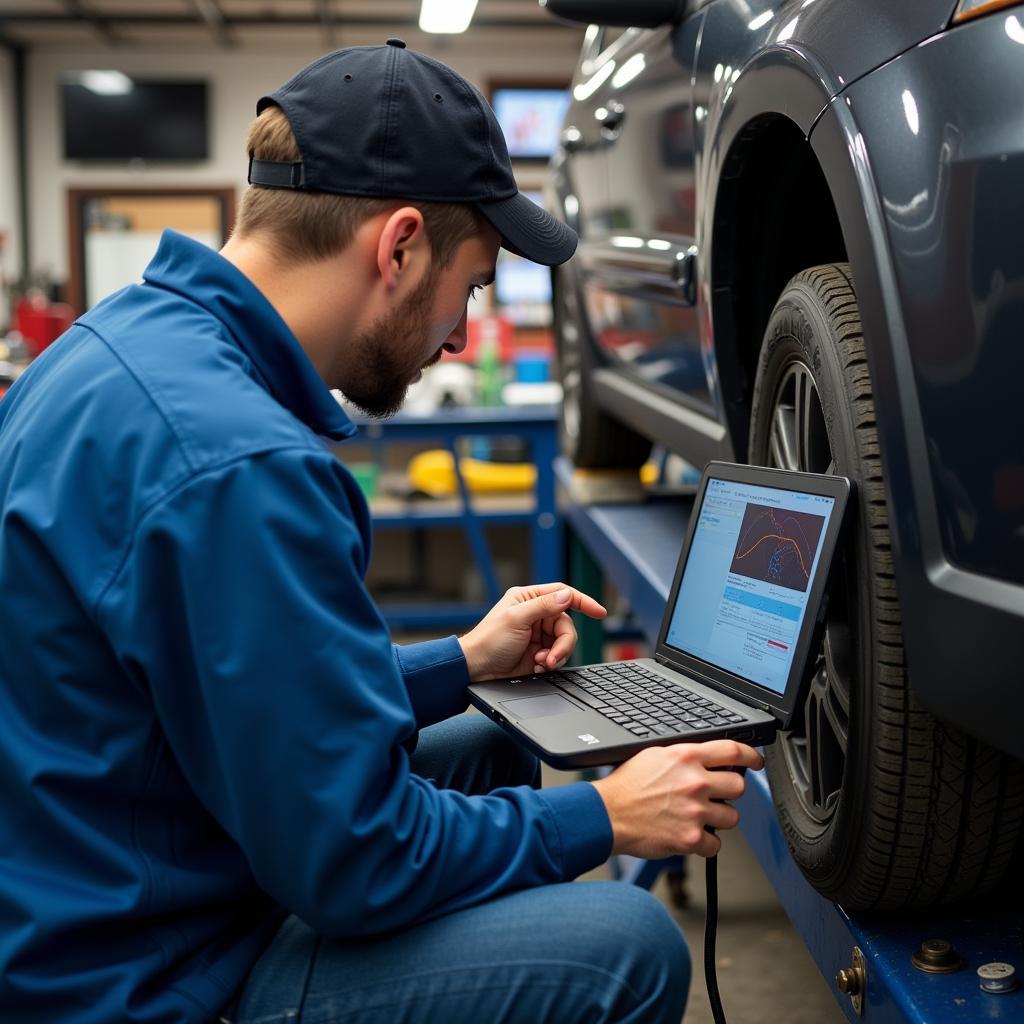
636 547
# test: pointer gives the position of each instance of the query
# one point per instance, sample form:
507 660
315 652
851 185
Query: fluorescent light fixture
105 83
446 16
627 242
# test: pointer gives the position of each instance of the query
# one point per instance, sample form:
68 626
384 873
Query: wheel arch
763 183
759 245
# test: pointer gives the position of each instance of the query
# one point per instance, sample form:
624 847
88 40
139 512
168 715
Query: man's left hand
527 631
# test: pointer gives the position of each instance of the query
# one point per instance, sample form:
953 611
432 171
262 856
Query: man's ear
401 245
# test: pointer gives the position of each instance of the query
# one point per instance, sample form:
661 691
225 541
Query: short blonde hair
309 226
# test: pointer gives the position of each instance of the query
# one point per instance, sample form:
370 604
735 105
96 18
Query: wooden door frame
77 198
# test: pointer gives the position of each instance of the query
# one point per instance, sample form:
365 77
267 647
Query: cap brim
528 230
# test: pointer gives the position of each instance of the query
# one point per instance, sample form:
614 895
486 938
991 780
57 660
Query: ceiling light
447 16
105 83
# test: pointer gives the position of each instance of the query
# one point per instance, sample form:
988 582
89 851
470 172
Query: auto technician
226 794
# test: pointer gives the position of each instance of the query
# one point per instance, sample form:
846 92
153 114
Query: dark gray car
801 246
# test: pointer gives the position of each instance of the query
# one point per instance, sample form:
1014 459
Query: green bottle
489 370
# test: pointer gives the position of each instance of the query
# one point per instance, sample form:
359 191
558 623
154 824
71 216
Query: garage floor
765 973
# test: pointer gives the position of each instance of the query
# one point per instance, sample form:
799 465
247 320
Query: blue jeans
577 953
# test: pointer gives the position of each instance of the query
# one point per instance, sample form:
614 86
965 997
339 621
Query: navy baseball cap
385 121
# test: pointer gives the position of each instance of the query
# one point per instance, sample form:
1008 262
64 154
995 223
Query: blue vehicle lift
636 547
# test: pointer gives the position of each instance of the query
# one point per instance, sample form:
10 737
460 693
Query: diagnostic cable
711 923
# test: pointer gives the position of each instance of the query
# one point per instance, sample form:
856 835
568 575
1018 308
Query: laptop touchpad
539 707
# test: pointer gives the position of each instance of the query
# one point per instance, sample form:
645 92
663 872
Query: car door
639 260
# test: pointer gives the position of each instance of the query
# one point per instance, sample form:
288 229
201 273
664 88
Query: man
205 726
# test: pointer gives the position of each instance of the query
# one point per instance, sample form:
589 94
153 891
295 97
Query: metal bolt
997 977
850 981
937 956
853 981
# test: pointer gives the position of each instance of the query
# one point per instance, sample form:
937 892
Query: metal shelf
536 425
637 547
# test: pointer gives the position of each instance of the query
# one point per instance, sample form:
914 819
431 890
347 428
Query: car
800 231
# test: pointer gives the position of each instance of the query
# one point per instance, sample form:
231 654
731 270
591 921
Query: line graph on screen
777 545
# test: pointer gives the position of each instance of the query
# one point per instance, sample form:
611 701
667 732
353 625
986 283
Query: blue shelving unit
536 426
637 547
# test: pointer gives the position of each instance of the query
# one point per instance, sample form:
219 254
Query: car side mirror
629 13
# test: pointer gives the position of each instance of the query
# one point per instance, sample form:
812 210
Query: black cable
710 933
711 921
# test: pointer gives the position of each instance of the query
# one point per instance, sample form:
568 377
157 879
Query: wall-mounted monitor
522 289
531 118
110 116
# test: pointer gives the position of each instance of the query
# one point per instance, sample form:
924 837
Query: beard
390 352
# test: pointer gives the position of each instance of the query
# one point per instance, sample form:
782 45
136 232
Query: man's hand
660 800
527 631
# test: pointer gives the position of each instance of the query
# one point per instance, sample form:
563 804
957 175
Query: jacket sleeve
436 678
241 608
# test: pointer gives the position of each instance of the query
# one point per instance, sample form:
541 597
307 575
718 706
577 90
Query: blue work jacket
203 722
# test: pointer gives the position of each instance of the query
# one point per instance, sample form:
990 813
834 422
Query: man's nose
459 337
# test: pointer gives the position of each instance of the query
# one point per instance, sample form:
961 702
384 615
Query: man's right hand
660 800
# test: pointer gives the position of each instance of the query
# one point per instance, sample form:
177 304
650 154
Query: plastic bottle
489 367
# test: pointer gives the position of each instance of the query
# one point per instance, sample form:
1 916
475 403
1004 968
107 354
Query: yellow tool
433 473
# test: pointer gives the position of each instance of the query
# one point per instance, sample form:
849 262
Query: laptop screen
747 580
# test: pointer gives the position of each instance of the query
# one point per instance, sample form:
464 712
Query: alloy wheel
815 749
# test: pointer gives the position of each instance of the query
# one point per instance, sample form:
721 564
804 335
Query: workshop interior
769 414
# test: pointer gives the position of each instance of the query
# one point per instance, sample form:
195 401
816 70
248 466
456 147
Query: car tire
883 806
587 434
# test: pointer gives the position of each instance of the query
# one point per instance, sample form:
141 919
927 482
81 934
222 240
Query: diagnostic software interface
744 591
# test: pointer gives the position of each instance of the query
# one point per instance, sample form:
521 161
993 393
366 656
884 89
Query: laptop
738 640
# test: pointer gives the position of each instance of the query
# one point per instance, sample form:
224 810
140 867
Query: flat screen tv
522 289
530 118
109 116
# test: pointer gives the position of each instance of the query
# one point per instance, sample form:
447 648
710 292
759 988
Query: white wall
236 80
10 259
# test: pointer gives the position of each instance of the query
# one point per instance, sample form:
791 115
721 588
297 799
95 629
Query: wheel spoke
783 438
837 717
837 668
826 750
804 396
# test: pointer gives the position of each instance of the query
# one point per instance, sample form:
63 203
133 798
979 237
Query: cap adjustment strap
277 173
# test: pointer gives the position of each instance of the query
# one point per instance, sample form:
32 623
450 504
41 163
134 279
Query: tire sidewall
800 329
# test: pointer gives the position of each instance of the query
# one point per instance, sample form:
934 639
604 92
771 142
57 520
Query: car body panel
920 219
630 186
939 160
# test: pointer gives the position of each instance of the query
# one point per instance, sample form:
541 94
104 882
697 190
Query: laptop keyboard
642 701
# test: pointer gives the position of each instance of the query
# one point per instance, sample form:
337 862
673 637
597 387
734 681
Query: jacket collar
203 276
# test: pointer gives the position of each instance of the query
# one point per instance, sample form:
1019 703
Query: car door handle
634 267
